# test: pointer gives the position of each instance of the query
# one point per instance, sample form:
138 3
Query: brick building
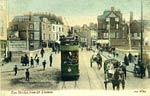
112 28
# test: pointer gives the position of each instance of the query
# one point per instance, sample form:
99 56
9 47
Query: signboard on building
17 45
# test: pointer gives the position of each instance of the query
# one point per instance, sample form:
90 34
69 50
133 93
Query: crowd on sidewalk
129 59
27 63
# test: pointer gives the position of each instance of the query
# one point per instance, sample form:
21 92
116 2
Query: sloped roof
107 13
81 34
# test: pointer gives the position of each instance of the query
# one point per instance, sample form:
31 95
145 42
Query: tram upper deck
69 43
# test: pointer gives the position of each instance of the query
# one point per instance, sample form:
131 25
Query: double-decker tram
69 57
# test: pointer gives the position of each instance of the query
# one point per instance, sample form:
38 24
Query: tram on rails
69 46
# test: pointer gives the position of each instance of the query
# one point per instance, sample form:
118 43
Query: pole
141 31
109 33
27 34
130 37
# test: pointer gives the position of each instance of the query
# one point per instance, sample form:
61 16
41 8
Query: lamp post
141 31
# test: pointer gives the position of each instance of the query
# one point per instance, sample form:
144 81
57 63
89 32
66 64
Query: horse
118 79
98 59
114 74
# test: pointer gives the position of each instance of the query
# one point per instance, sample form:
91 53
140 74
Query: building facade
57 31
3 29
112 28
135 34
29 30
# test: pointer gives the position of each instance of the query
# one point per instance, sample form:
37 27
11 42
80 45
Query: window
117 35
53 28
36 36
117 19
59 29
31 26
116 26
31 36
43 36
105 35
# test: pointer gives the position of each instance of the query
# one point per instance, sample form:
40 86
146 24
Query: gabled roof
108 13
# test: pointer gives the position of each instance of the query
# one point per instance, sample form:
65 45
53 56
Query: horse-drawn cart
113 73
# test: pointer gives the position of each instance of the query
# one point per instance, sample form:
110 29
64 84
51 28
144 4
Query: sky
78 12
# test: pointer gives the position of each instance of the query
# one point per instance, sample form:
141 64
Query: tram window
70 57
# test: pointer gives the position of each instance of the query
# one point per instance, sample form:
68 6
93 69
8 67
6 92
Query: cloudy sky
78 12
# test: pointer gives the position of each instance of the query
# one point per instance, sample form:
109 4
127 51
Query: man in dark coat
130 57
44 64
15 69
50 59
26 60
126 62
32 62
42 52
27 75
22 60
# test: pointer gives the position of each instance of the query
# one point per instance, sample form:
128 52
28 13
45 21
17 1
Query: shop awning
102 41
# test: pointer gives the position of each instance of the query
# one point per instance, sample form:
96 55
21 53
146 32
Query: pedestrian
142 70
10 56
130 57
27 73
42 52
148 68
32 62
22 60
51 60
44 64
114 53
26 60
15 70
123 66
126 62
37 61
139 60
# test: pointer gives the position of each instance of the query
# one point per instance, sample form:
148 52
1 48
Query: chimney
112 8
131 16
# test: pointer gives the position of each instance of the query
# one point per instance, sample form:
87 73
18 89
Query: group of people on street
27 74
137 60
25 61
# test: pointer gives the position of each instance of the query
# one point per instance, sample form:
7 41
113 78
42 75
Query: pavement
9 67
120 58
